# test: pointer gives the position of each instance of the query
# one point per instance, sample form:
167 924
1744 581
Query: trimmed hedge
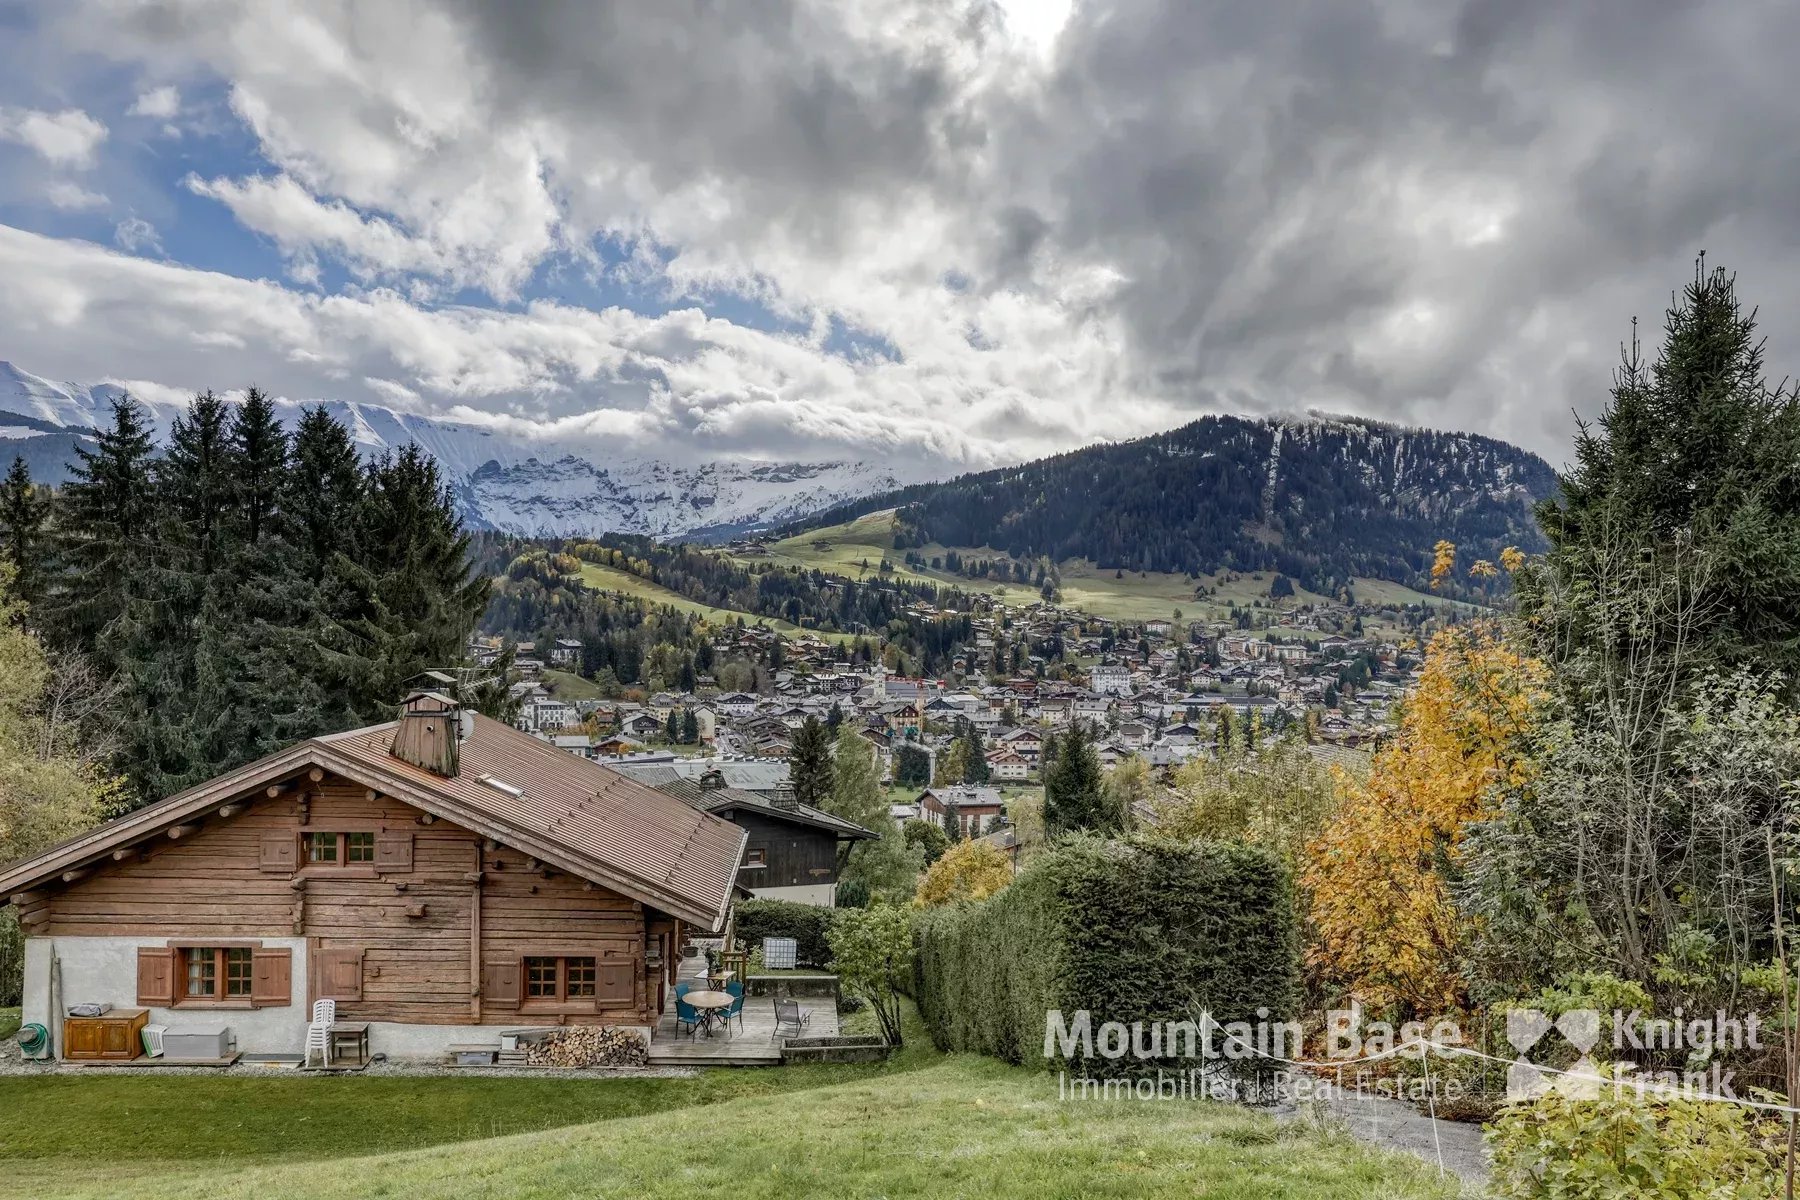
807 924
1138 930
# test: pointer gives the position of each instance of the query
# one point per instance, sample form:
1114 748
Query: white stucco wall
822 895
104 970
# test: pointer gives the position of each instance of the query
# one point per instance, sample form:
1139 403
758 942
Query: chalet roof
743 776
725 799
575 814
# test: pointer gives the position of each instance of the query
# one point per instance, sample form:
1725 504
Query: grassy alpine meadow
959 1126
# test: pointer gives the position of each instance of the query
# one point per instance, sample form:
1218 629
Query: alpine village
364 848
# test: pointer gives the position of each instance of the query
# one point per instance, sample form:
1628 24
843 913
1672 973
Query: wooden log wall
418 929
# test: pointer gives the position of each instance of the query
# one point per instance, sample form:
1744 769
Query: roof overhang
99 843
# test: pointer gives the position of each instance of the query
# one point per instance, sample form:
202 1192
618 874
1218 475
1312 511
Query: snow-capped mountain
518 483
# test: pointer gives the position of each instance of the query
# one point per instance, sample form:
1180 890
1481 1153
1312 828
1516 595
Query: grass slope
1134 596
960 1127
95 1133
611 579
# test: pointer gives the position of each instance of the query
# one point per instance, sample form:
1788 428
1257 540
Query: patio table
711 1006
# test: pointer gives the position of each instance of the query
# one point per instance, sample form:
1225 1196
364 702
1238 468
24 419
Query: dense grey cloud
1432 213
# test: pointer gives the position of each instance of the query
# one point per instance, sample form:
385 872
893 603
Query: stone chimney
429 733
784 797
713 780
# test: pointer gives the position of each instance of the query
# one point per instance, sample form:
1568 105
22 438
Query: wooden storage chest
118 1034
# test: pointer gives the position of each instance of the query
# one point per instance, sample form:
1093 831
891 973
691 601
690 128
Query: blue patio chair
685 1013
736 989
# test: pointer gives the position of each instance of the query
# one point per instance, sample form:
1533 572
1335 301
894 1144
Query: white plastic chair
318 1033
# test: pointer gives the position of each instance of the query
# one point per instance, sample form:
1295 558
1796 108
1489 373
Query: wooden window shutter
280 853
340 974
271 977
617 981
156 975
500 983
393 852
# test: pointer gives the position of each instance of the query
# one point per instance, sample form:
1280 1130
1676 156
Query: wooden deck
755 1045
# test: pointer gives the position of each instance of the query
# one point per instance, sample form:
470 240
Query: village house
793 849
1007 765
441 878
977 809
1110 679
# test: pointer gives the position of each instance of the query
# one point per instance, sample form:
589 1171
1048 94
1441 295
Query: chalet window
245 974
553 980
216 973
756 857
362 848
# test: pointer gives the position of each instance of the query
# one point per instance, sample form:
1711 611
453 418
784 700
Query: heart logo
1525 1027
1581 1026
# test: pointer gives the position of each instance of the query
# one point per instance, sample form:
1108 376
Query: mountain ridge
1321 498
511 483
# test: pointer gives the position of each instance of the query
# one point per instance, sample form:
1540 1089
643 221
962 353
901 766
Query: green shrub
1138 930
808 924
1618 1145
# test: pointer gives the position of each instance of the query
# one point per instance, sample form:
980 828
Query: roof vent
508 788
713 780
428 733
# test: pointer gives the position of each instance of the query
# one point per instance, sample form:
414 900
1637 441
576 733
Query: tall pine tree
1074 792
22 514
106 544
809 763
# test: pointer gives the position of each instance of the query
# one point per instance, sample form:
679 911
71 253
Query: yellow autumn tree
972 870
1384 923
1443 562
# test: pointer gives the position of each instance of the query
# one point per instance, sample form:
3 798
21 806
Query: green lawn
566 685
958 1126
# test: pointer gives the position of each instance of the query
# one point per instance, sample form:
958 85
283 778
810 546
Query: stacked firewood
588 1046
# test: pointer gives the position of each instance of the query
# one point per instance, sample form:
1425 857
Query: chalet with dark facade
793 849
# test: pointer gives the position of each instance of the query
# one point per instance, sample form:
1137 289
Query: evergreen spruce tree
690 727
672 729
975 763
22 515
1698 447
322 496
260 446
953 830
412 600
179 664
809 763
1074 795
105 545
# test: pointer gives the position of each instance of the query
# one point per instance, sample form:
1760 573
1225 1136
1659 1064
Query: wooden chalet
793 849
431 874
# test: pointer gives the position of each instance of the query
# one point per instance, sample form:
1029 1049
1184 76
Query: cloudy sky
972 229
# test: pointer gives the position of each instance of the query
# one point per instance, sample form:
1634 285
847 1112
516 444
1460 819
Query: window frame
756 856
561 997
220 970
340 836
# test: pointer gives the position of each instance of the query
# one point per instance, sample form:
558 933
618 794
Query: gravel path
1396 1125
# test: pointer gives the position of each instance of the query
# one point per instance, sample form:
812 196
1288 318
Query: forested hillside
1321 500
540 593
